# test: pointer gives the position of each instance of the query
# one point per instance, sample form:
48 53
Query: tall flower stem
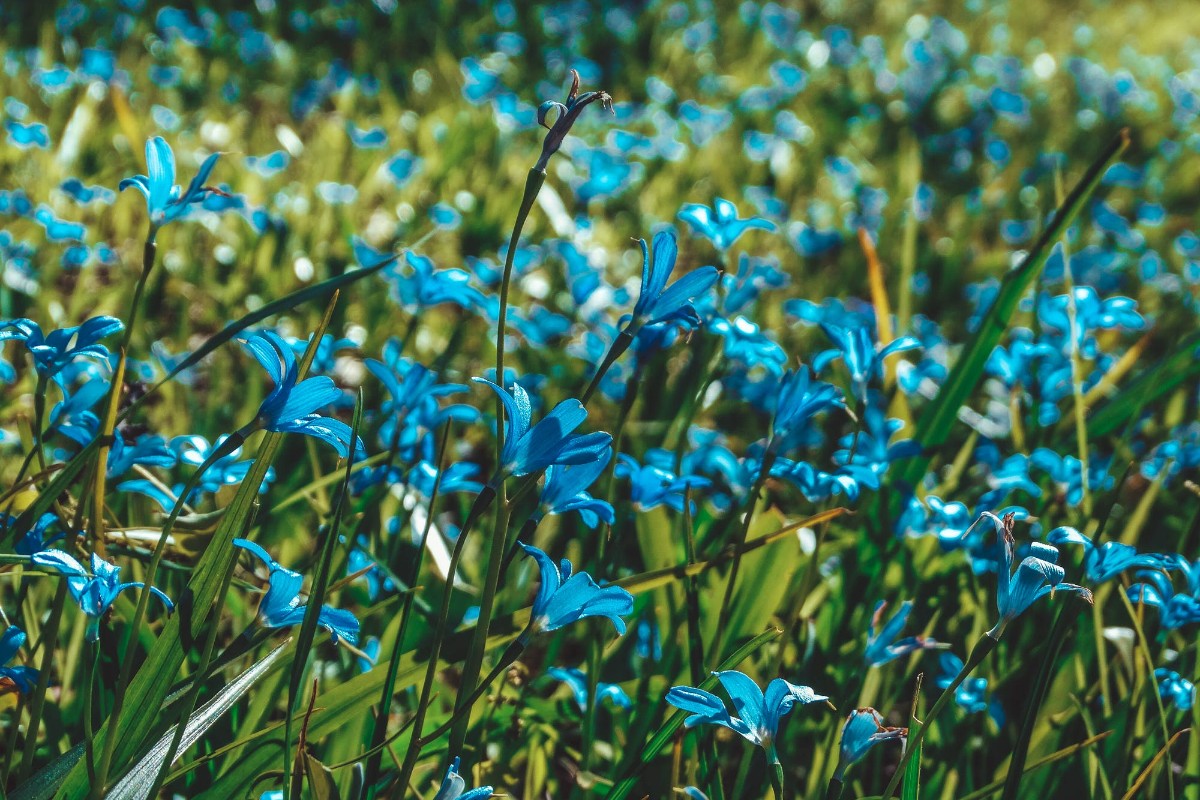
482 501
739 545
149 250
39 413
834 790
979 652
470 673
615 351
777 780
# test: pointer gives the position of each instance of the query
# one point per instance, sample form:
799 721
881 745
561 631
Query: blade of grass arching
911 787
150 684
316 595
230 331
1177 369
139 781
1057 755
1152 688
643 755
937 421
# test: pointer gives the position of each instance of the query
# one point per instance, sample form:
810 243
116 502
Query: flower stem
615 351
979 652
726 603
777 780
463 708
834 790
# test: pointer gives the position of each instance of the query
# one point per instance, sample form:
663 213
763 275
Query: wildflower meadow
584 400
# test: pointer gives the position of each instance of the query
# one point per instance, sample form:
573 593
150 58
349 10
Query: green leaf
910 789
937 422
139 781
1150 386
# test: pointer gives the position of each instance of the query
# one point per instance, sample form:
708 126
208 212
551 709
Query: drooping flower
1175 609
656 301
759 713
563 597
720 224
654 484
566 488
1110 559
577 682
454 787
532 448
52 353
281 606
882 646
24 678
1036 576
558 118
863 730
165 200
94 593
292 405
801 398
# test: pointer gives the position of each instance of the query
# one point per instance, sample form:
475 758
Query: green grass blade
1177 369
911 787
937 422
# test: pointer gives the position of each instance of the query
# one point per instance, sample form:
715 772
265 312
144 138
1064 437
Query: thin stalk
834 790
979 652
726 603
777 780
487 603
39 412
509 657
615 351
482 501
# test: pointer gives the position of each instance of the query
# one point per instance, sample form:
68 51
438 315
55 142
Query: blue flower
34 540
760 713
453 787
882 646
800 398
971 695
577 681
1036 576
659 303
720 224
165 201
1111 558
94 593
551 441
24 678
52 353
23 136
654 484
566 488
413 410
292 407
1174 610
1172 687
860 353
281 606
863 730
426 286
563 597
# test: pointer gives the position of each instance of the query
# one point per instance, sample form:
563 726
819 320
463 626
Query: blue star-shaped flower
453 787
863 730
656 301
883 646
24 678
165 201
281 606
1111 558
563 597
760 714
52 353
720 224
94 593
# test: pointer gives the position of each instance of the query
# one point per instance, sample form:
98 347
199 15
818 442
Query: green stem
777 780
751 501
615 351
514 651
49 640
834 790
482 501
979 652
